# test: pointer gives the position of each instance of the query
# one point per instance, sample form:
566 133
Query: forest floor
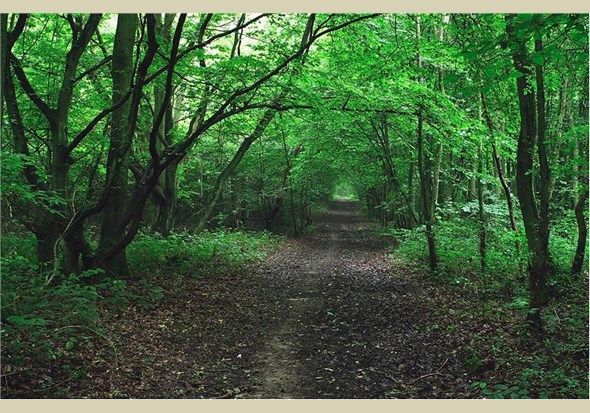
327 315
355 327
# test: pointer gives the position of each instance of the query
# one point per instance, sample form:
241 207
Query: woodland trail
328 315
355 326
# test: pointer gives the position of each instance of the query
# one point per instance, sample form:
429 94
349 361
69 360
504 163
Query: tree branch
48 112
17 30
93 68
82 134
167 93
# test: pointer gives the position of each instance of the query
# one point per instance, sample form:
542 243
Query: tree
120 139
49 228
532 130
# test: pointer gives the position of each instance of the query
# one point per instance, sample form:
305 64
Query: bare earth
355 328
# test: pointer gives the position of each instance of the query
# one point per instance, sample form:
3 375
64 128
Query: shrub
37 319
187 254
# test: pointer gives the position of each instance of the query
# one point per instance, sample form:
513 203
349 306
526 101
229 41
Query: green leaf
26 321
538 59
71 343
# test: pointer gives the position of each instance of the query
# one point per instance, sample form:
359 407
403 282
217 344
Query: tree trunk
480 203
279 199
425 194
57 119
471 188
165 218
3 59
436 178
120 142
161 209
580 205
232 165
578 261
500 169
544 170
424 171
45 231
411 213
533 224
557 130
577 168
502 179
46 236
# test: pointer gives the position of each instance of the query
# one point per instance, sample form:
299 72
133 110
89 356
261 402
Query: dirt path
282 373
353 328
327 316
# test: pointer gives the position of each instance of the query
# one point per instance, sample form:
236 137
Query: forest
239 205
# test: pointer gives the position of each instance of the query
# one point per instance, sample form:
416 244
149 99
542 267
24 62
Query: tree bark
533 222
436 177
3 60
424 171
502 179
231 166
580 206
167 201
425 194
43 227
480 202
578 261
120 142
543 154
279 199
57 118
411 213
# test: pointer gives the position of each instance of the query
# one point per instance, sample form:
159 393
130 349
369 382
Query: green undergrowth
47 327
187 254
457 245
499 297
